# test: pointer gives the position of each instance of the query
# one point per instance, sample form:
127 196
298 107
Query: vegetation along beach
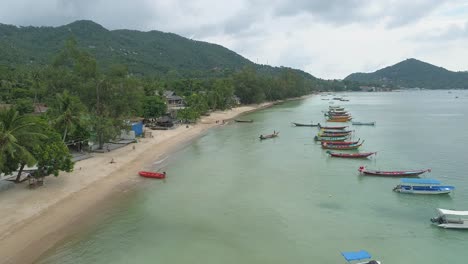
216 132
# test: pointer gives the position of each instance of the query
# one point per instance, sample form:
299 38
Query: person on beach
112 161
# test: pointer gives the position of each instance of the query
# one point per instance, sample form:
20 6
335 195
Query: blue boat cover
350 256
420 181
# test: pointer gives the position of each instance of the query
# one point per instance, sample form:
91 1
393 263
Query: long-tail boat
343 120
305 125
333 135
406 173
317 138
243 121
332 127
341 142
363 123
335 131
351 155
342 147
275 134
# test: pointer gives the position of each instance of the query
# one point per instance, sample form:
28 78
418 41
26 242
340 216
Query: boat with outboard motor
422 186
350 257
451 219
406 173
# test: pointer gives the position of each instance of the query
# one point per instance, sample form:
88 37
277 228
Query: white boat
451 219
422 186
357 256
363 123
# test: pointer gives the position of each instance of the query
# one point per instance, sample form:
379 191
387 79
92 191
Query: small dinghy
275 134
154 175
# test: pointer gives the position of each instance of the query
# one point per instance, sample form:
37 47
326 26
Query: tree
65 113
154 106
17 136
24 106
52 155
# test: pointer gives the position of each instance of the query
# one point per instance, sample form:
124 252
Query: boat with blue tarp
359 255
422 186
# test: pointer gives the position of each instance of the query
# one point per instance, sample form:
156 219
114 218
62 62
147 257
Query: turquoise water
230 198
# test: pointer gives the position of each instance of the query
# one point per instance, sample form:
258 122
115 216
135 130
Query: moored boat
317 138
154 175
275 134
451 219
350 257
422 186
406 173
342 147
332 127
341 142
351 155
331 131
342 120
305 125
363 123
243 121
333 134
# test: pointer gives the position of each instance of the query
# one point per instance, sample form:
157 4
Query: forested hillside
412 73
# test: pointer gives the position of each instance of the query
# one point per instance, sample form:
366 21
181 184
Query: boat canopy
420 181
351 256
452 212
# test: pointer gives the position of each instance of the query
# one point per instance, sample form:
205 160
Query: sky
329 39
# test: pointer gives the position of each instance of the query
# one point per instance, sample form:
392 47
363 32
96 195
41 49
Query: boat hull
305 125
401 174
439 190
351 155
154 175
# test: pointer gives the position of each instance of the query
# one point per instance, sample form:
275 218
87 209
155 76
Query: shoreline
34 221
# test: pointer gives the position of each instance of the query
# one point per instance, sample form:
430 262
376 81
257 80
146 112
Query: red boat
351 155
150 174
341 142
332 128
408 173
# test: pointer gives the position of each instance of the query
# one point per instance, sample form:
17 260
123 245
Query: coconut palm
17 135
66 112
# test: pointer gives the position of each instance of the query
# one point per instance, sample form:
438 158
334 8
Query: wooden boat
342 147
363 123
333 135
451 219
332 127
341 142
335 131
305 125
343 120
407 173
316 138
422 186
243 121
351 155
275 134
336 108
154 175
351 257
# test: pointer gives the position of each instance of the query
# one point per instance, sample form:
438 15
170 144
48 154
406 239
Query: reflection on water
230 198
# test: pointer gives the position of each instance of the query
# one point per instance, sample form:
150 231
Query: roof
452 212
351 256
420 181
168 93
174 97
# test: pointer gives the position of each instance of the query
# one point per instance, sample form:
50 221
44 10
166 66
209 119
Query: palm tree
66 113
17 135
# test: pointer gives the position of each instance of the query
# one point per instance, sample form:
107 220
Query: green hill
412 73
145 53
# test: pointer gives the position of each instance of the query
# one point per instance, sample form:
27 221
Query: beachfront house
173 100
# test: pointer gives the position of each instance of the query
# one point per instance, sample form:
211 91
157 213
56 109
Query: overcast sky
327 38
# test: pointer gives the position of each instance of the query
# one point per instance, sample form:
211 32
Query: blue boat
359 255
422 186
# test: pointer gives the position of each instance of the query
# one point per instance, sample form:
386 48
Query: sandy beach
35 220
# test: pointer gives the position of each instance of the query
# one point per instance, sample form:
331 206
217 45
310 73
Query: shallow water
230 198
